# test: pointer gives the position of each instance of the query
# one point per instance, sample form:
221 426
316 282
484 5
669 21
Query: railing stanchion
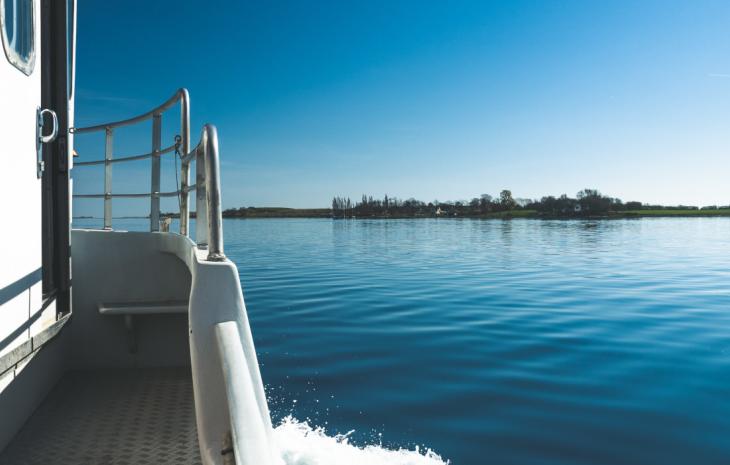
213 193
108 154
185 167
156 173
201 202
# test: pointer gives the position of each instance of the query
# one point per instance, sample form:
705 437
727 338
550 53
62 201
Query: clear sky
434 100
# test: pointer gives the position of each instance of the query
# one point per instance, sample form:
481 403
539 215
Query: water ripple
520 342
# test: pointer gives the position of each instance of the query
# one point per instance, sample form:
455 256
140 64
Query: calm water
498 342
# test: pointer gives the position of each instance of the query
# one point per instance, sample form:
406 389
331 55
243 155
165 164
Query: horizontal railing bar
126 122
131 196
168 194
104 196
129 158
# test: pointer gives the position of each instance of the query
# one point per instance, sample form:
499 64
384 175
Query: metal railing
209 229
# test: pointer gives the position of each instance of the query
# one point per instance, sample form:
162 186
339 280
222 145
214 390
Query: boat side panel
30 386
44 317
217 297
13 316
21 318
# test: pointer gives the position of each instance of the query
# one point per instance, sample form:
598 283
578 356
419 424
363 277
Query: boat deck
115 417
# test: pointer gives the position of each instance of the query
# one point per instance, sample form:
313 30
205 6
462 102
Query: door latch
41 138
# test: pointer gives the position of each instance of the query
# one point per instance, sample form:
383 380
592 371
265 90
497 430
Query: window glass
16 21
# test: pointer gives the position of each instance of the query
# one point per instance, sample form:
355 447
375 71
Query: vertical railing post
201 202
108 154
156 174
185 168
213 194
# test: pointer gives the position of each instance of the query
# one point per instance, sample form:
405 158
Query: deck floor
119 417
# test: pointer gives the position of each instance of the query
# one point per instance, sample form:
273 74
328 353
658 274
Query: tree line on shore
587 202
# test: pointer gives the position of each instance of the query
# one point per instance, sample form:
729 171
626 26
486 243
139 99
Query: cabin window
17 24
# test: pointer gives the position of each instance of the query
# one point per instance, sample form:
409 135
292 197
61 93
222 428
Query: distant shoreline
531 214
274 212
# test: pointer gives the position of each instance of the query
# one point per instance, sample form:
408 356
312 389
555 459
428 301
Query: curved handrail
181 95
209 232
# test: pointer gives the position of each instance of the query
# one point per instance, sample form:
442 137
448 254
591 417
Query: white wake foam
300 444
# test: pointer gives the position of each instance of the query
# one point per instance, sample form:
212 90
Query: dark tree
485 203
506 200
592 202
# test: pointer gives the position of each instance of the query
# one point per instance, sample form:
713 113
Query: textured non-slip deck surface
120 417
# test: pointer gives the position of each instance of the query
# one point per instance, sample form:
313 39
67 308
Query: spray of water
300 444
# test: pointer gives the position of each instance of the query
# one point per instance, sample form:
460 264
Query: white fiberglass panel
46 317
13 315
20 188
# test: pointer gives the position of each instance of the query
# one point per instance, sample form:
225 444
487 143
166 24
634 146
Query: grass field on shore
686 212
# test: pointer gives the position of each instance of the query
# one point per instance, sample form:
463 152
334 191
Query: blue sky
434 100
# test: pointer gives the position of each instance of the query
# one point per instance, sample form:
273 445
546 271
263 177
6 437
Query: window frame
25 66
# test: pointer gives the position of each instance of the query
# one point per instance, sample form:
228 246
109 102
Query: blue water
498 342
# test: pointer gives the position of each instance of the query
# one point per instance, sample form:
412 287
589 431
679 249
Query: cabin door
57 94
